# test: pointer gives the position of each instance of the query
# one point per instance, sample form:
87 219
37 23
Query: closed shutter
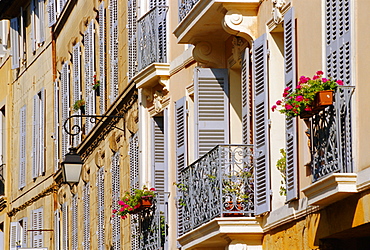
37 224
14 42
23 234
14 230
52 12
22 148
74 223
154 3
134 184
41 21
42 132
65 229
101 190
290 124
35 137
158 142
211 109
116 194
181 151
56 125
246 102
77 88
86 216
57 232
102 58
132 26
261 126
113 50
65 106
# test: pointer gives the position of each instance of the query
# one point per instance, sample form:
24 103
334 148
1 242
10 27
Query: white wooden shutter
338 39
24 232
261 126
158 146
211 102
37 224
74 222
14 42
35 137
14 230
246 102
290 124
42 132
101 189
77 88
102 58
86 216
116 194
134 184
65 228
41 21
33 24
132 49
113 50
52 12
65 105
22 148
57 232
56 125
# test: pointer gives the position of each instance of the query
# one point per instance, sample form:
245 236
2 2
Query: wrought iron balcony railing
221 183
185 6
152 38
331 137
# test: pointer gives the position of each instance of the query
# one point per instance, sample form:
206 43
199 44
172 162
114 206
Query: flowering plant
96 84
78 104
132 203
300 99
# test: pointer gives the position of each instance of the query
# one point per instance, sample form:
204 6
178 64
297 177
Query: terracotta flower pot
323 99
146 203
232 207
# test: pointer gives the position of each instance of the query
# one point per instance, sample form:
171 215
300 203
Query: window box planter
322 100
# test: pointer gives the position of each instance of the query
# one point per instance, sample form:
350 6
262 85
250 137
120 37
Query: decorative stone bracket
238 24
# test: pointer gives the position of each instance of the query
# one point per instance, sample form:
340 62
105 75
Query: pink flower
273 108
299 86
122 209
152 189
278 102
286 89
339 82
130 209
308 108
315 77
288 106
285 94
320 73
299 98
303 79
324 80
121 203
114 211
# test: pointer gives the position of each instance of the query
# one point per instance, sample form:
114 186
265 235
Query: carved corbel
238 46
158 98
163 81
277 7
148 94
235 23
203 53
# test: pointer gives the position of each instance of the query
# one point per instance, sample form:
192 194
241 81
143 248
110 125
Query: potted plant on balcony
79 105
134 203
309 97
96 86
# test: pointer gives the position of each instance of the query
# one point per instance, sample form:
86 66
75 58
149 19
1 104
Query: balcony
152 38
219 184
331 150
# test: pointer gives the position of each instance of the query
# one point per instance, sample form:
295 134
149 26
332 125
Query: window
38 143
18 234
37 224
4 30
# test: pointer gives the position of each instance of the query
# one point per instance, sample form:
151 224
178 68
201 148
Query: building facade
177 96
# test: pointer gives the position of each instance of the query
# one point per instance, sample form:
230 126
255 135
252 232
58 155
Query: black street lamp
71 167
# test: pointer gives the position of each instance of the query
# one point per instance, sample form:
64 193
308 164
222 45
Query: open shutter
113 50
56 125
35 137
65 106
22 148
89 73
65 226
290 124
86 216
24 232
77 88
52 12
41 21
132 49
57 230
14 230
261 126
134 184
42 132
158 142
246 122
101 189
37 224
116 194
14 36
211 109
74 222
33 24
102 58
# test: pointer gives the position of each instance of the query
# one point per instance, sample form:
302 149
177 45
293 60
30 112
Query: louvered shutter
22 148
211 109
77 88
101 189
42 133
65 226
41 21
52 12
261 126
74 223
14 36
113 50
116 194
56 125
24 232
181 151
134 184
37 224
57 232
14 230
102 58
246 102
33 24
35 137
290 124
86 216
132 49
89 73
338 39
158 146
65 106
